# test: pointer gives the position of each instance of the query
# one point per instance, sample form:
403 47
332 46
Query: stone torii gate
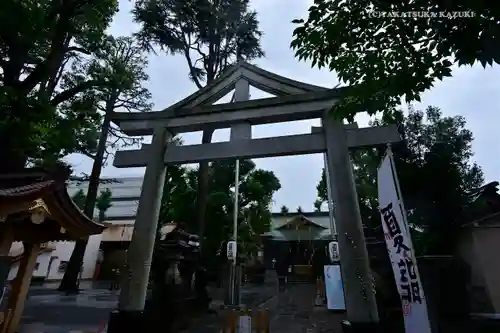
294 101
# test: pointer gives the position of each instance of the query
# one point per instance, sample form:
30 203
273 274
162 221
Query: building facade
294 240
107 251
51 263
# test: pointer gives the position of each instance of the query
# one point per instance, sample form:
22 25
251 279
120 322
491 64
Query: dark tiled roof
24 187
26 190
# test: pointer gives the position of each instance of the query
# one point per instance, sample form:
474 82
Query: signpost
334 288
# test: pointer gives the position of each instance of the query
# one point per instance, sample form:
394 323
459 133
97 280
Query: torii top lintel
195 111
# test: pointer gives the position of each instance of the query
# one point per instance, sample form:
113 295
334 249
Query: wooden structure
35 208
257 321
294 243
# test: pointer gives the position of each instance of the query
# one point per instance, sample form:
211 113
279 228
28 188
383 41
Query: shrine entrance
35 210
293 101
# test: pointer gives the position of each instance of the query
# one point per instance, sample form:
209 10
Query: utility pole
241 131
331 206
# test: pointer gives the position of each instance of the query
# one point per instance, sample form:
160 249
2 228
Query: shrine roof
34 189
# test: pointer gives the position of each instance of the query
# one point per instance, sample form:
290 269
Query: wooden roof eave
69 216
300 217
15 202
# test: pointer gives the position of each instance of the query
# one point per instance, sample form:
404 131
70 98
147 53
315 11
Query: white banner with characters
400 248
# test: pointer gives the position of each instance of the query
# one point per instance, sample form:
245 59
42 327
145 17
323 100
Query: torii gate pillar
357 279
129 316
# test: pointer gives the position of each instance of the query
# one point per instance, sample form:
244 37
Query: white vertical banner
400 248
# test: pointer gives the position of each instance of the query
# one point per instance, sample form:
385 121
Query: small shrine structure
35 208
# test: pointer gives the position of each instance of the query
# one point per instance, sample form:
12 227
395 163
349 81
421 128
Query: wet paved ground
51 312
292 311
48 311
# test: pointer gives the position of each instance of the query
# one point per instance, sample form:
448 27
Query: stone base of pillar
353 327
122 321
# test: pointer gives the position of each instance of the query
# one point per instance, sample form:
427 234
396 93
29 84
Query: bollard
245 321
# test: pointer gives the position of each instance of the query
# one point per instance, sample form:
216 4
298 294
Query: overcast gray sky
472 92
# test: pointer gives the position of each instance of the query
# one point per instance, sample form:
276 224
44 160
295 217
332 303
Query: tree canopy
256 189
384 56
33 59
211 35
103 201
435 173
121 64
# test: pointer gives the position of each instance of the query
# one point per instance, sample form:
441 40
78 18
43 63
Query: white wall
128 187
42 261
61 253
122 208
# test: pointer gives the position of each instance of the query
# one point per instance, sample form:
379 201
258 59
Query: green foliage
255 197
121 63
210 34
33 58
299 210
385 58
317 205
284 209
103 202
79 198
435 175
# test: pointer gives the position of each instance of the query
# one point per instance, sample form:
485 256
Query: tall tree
122 65
104 201
299 210
211 35
435 174
79 198
284 209
32 58
317 205
385 56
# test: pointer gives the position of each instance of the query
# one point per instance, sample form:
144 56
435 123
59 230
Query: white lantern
37 217
333 251
231 250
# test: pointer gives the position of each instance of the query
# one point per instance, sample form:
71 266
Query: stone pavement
293 311
49 311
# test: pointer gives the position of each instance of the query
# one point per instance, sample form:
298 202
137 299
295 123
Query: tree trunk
69 283
13 158
202 193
